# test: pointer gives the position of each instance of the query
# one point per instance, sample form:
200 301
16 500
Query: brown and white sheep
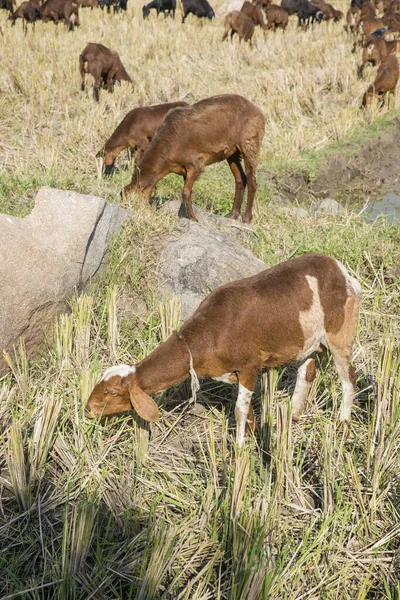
280 316
226 127
135 131
103 64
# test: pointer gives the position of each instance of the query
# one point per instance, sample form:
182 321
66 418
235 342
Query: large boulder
199 260
46 257
228 6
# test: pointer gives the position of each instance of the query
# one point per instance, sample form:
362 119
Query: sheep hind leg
244 415
235 166
305 376
251 189
340 345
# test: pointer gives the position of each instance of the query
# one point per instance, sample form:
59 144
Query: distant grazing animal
103 64
393 6
280 316
6 5
392 20
292 6
375 49
227 127
88 3
352 17
237 22
365 27
385 81
328 11
29 12
368 10
61 10
135 131
165 6
308 13
276 17
199 8
254 13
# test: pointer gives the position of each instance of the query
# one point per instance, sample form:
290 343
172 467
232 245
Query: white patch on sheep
352 284
241 413
312 322
121 370
224 378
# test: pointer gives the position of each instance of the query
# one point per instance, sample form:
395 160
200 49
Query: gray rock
48 255
328 205
298 212
199 260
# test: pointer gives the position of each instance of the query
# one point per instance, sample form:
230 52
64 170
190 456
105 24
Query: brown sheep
392 20
328 11
29 12
276 17
135 131
277 317
352 17
254 13
226 127
364 28
385 81
238 22
58 10
393 6
88 3
375 49
103 64
368 10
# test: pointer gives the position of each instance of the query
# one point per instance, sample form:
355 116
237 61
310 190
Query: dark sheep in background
200 8
167 7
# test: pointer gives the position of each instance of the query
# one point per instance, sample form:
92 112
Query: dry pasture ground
115 510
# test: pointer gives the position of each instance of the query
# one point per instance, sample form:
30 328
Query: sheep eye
111 393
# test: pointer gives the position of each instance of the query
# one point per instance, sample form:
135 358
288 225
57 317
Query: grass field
109 511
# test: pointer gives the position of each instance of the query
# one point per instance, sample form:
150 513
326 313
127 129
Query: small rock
328 205
298 212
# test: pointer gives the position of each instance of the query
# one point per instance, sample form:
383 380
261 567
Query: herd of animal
286 313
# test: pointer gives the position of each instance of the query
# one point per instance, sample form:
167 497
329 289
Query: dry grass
118 510
306 84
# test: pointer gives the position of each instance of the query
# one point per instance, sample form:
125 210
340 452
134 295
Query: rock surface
328 205
228 6
199 260
48 255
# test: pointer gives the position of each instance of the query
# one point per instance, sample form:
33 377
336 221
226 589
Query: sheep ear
143 404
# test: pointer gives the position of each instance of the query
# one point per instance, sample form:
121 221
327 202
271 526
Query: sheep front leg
243 410
191 176
305 376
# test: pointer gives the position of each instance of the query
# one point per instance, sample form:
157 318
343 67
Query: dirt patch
356 173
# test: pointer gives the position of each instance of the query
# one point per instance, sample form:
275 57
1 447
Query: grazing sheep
88 3
254 13
237 22
328 11
280 316
135 131
7 5
352 18
368 10
385 81
365 27
61 10
276 17
29 12
199 8
103 64
227 127
375 49
167 7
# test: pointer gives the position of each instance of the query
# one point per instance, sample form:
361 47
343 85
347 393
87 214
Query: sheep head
118 392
